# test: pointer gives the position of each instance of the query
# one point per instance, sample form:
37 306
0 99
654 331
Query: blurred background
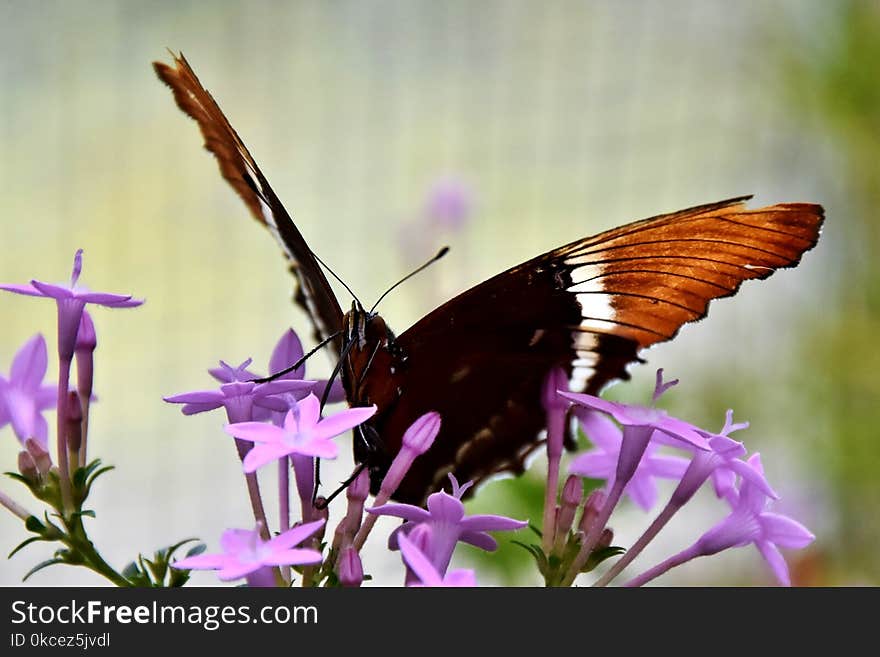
503 129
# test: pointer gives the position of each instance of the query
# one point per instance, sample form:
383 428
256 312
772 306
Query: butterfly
481 358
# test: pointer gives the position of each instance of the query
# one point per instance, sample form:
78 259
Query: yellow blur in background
559 119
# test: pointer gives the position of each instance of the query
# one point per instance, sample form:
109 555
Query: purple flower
722 462
350 570
245 552
601 462
417 439
424 570
71 300
239 397
287 351
304 432
449 204
750 522
445 516
23 396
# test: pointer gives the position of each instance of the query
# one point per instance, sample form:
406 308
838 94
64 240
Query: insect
480 359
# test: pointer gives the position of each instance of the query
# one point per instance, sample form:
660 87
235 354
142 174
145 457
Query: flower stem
668 564
83 456
659 522
253 487
284 503
61 424
14 506
555 426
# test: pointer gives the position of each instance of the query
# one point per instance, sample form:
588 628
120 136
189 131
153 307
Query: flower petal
784 531
445 508
295 536
418 562
27 289
197 397
321 448
287 351
343 421
308 412
601 431
258 432
29 365
237 569
263 453
405 511
774 558
481 540
109 299
491 523
53 291
595 464
292 557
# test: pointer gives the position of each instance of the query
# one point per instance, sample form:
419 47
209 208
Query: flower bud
351 570
592 507
417 439
572 493
74 421
40 456
605 539
27 467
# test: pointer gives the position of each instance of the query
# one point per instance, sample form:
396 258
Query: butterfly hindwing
588 307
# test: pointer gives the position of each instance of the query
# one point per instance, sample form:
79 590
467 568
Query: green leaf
33 524
24 543
196 550
537 530
598 556
40 566
18 477
97 474
130 571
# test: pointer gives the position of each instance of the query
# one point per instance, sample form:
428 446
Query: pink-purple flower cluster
281 421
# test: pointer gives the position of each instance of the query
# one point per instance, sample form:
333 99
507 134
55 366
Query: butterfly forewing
237 166
588 307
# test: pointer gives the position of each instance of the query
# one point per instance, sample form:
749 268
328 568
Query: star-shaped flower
71 300
304 432
425 571
601 462
23 397
245 552
750 522
445 516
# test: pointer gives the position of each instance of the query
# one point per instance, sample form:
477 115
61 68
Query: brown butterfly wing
240 170
589 307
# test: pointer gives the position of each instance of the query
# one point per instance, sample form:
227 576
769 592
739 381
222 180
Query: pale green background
564 118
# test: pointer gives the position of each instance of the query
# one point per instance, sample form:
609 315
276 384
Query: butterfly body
480 360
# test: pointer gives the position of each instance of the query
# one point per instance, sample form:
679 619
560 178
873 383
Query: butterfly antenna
321 504
342 282
298 363
442 252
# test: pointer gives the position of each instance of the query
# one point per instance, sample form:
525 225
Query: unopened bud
593 506
359 488
605 539
74 422
40 456
27 467
351 570
572 493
